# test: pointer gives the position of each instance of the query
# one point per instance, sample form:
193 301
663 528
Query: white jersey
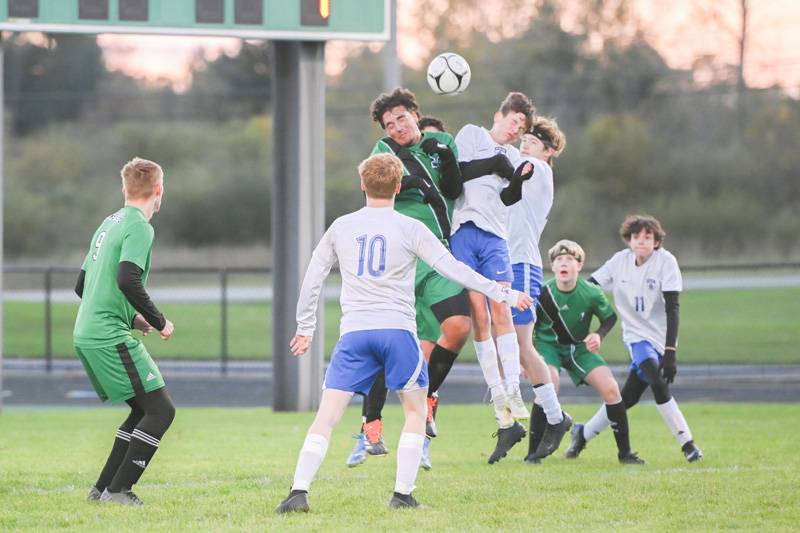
480 202
527 218
377 251
638 293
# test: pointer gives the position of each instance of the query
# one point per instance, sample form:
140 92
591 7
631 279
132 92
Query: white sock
596 424
409 454
674 419
487 358
311 455
546 393
508 352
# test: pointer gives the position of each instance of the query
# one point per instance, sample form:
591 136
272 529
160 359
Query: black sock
120 447
538 425
441 361
618 416
375 400
141 449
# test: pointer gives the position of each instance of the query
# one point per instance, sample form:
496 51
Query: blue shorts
527 279
641 351
360 355
484 252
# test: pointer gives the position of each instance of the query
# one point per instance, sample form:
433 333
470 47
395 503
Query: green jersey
566 317
410 201
105 315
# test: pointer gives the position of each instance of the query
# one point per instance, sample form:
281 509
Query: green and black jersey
105 315
565 317
410 202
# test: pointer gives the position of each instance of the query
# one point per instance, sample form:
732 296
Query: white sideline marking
80 394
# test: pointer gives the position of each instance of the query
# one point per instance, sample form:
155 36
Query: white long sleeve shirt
528 217
377 249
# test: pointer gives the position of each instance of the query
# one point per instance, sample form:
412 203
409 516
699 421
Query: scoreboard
297 20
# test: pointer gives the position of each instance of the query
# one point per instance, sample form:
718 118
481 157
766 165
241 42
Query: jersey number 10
371 253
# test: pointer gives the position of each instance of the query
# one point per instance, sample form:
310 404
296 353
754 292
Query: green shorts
432 288
120 372
576 359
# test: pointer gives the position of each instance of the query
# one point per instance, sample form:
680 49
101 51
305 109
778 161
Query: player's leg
647 360
539 373
538 421
121 441
372 415
408 376
602 380
353 368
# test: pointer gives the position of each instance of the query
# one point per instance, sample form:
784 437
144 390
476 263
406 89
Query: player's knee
610 392
630 398
660 391
456 329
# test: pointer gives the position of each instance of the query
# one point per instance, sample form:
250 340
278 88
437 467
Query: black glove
669 365
520 174
503 167
432 146
412 181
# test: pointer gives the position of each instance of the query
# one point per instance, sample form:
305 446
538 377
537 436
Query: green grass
223 469
735 326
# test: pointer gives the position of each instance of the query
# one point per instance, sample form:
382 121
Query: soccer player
566 307
377 250
429 123
113 303
431 180
646 281
540 145
493 175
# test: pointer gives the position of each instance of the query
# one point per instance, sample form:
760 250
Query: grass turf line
223 469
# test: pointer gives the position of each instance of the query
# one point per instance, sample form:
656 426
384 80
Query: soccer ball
448 73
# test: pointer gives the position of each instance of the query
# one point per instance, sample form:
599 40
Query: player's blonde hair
546 130
381 173
140 176
567 247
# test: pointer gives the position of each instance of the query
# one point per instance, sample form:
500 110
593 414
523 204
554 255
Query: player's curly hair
380 174
633 224
140 176
387 101
518 103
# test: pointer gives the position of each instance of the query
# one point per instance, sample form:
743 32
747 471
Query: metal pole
298 210
2 129
223 280
48 319
392 69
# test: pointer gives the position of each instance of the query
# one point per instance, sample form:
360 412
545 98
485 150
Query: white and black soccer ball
448 73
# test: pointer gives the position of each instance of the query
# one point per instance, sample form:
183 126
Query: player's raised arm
318 268
433 252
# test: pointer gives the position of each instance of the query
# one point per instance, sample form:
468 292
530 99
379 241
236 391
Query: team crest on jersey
435 161
500 150
116 217
651 284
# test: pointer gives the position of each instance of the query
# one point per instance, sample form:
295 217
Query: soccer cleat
430 421
359 453
578 442
531 460
295 502
403 501
123 497
692 452
551 439
517 405
502 413
94 494
506 439
425 462
631 458
374 434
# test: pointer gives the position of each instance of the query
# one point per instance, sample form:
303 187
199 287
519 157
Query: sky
685 32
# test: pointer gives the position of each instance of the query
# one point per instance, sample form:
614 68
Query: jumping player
566 307
113 303
377 250
540 145
431 181
646 281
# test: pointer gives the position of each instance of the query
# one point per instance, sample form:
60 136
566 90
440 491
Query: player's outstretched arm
477 168
451 183
318 268
513 193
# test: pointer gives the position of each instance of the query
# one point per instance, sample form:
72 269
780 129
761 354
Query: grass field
741 326
227 469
